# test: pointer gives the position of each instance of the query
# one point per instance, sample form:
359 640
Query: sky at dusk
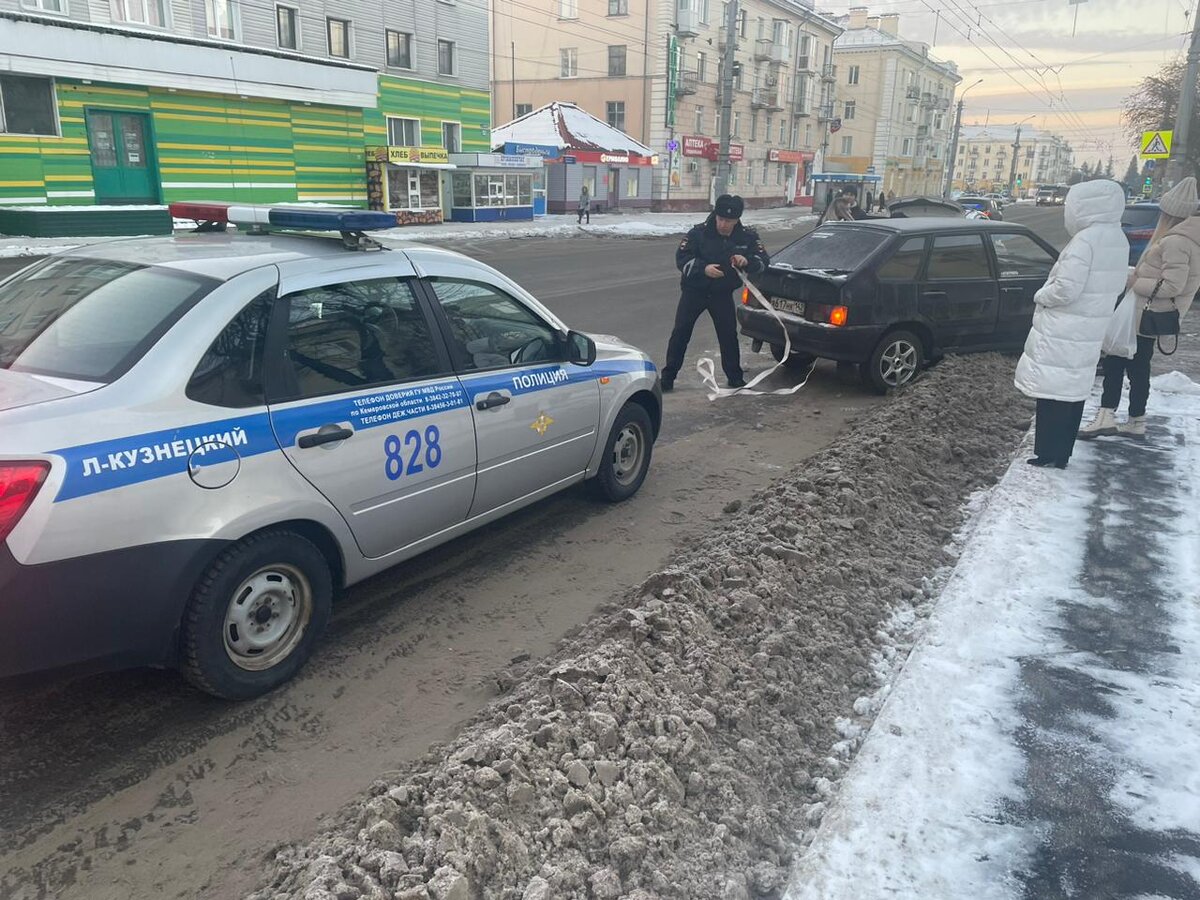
1031 65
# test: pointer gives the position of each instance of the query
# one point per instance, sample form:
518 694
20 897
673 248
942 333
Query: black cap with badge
729 206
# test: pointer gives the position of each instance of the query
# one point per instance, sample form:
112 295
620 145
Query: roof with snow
567 127
1008 133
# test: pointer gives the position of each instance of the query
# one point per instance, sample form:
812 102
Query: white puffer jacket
1077 301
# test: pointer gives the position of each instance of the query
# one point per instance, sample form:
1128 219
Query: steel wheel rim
627 452
267 617
898 363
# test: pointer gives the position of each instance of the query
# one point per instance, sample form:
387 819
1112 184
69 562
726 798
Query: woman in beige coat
1169 270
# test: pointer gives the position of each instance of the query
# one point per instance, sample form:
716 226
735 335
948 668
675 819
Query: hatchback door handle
492 399
316 439
933 293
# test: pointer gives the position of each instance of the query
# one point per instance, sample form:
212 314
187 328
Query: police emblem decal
542 424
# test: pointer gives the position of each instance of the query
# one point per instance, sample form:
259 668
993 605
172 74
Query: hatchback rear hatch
1138 222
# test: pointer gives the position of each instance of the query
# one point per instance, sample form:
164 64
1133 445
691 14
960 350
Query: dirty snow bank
679 742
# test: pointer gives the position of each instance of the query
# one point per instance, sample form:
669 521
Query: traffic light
1018 181
1149 181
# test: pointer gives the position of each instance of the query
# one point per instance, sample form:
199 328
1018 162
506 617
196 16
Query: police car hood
610 346
23 389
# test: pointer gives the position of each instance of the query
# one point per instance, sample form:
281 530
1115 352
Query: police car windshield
90 319
841 247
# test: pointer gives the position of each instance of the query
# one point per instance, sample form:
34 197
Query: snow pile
674 747
1174 383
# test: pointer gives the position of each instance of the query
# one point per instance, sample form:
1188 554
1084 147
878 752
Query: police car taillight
19 484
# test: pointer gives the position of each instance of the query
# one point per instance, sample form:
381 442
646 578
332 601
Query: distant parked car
913 207
1138 223
1052 195
985 205
999 198
892 294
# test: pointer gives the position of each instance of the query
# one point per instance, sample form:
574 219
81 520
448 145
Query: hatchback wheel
895 362
627 455
795 361
256 614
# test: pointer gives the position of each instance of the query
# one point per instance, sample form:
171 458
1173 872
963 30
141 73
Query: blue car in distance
1138 223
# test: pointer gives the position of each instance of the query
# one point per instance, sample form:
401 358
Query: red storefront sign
695 146
705 148
798 157
598 157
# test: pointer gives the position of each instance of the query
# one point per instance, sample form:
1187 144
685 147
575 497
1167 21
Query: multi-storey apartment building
894 105
652 68
147 101
985 154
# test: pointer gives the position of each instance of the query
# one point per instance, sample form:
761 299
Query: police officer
709 257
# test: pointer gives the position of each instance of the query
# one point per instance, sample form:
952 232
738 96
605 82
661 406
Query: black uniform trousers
720 307
1138 370
1055 429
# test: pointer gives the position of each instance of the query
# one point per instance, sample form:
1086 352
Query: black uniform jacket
703 246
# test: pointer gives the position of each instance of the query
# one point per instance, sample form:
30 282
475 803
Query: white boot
1135 427
1104 423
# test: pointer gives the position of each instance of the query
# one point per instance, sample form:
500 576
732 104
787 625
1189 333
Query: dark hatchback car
892 294
1137 222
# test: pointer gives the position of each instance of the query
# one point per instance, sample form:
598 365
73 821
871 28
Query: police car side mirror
581 349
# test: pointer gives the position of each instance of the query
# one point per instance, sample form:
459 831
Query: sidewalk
620 225
1042 739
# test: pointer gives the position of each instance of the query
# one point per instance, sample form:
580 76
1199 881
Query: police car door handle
317 438
492 399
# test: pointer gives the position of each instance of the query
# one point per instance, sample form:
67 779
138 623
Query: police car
204 437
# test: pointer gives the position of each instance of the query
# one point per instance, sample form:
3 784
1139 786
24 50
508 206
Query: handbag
1159 324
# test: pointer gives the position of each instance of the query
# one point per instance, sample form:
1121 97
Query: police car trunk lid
19 389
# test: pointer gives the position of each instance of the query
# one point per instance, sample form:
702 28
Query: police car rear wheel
627 459
256 614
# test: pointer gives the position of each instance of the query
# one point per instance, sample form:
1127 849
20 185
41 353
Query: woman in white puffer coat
1072 313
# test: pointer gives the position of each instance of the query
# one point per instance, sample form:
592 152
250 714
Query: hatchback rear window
90 319
841 248
1139 217
981 205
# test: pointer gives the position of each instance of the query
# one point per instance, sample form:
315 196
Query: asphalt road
131 785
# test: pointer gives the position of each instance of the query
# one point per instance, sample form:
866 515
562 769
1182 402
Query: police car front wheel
627 456
255 615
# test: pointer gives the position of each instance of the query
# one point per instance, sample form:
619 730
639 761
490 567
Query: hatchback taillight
19 484
1140 234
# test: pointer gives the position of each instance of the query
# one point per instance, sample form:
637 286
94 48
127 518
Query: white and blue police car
204 437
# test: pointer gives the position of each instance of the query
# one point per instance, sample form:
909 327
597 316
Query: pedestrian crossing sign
1156 144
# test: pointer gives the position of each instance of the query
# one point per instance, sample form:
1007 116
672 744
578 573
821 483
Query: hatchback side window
1020 256
958 256
342 337
905 263
230 372
490 329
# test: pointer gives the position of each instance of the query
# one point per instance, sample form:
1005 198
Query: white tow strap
708 373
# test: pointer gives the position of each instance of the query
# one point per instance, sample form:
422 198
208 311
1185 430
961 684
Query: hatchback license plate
795 307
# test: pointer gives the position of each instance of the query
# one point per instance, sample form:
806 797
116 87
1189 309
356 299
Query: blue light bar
328 219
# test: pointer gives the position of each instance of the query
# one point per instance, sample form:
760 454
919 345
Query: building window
767 129
737 124
754 126
741 23
906 147
852 78
452 137
847 146
287 27
616 60
701 66
445 57
524 109
782 131
849 111
404 132
222 16
704 12
615 112
137 12
802 60
632 182
338 33
50 6
568 58
399 50
568 9
765 169
699 123
618 7
27 105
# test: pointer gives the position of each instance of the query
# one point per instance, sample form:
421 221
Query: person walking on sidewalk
585 205
1169 270
1071 315
709 258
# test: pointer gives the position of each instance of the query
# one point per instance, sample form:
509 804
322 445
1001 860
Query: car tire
895 361
256 615
797 362
627 454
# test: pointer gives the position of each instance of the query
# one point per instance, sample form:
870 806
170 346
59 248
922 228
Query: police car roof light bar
350 223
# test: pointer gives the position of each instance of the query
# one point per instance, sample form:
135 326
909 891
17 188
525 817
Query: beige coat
1175 260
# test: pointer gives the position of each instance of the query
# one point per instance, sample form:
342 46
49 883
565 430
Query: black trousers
720 308
584 211
1138 370
1055 429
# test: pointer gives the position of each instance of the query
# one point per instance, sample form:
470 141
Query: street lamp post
1012 172
954 141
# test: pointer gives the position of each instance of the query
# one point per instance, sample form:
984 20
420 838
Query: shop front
546 152
799 171
614 180
494 187
407 181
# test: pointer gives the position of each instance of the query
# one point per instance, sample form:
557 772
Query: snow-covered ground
1041 739
603 224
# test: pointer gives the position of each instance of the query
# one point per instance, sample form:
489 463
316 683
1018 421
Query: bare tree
1153 106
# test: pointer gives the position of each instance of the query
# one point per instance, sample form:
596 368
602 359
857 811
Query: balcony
781 54
926 99
688 83
801 107
829 72
943 102
762 49
764 98
687 23
804 64
913 94
922 131
825 112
